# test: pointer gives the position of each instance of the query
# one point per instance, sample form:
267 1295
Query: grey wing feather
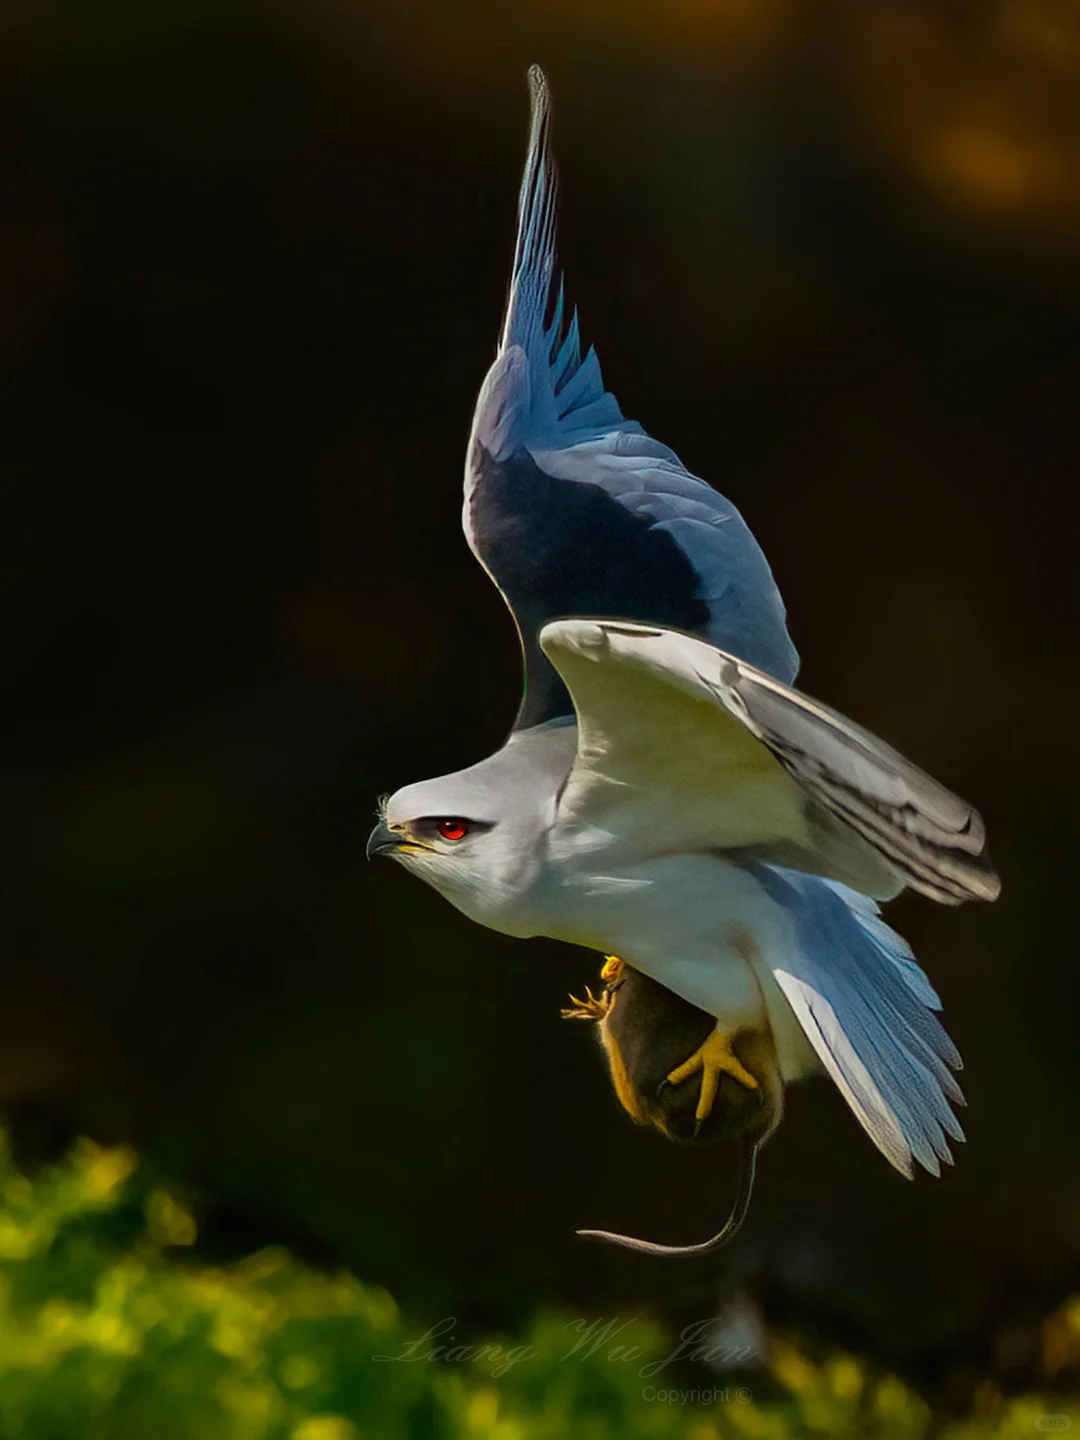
570 507
656 707
556 392
743 610
932 837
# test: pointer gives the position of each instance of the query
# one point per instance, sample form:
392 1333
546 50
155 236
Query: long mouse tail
748 1152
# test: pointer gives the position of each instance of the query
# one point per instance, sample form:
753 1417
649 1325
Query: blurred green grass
112 1329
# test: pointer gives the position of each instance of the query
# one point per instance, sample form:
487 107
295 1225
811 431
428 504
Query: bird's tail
870 1013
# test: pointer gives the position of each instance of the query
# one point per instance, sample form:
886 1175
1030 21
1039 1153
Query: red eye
453 829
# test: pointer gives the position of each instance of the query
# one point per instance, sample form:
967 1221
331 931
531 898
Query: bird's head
452 851
474 836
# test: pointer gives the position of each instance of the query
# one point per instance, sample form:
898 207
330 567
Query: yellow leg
612 968
590 1009
594 1008
715 1058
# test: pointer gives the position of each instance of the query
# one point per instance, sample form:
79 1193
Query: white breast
699 924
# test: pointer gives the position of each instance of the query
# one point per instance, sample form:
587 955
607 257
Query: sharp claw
590 1009
713 1058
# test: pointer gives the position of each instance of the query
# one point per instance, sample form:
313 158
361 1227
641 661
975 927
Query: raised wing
684 747
571 508
868 1010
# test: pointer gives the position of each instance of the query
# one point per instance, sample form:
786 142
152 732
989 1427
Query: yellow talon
596 1007
590 1009
612 968
714 1058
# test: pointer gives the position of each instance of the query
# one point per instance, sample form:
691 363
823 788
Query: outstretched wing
868 1010
571 508
684 747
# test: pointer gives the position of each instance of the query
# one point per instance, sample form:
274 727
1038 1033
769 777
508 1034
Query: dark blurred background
253 257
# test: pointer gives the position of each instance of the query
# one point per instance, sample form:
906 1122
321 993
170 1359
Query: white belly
698 924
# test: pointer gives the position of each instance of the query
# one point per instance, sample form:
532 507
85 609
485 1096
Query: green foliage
110 1330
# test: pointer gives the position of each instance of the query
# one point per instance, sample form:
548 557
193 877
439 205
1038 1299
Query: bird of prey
665 795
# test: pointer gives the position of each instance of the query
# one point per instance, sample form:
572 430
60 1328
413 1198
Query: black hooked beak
382 841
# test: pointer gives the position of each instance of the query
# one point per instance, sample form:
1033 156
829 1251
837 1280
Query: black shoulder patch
563 548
